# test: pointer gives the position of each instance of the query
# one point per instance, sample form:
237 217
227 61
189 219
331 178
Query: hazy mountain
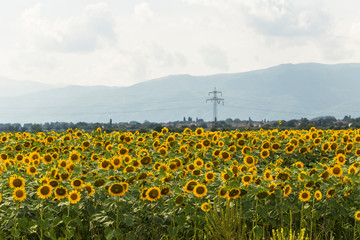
285 92
11 87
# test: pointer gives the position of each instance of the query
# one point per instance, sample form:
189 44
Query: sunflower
129 169
89 189
163 151
249 160
318 195
190 167
44 191
62 163
105 164
163 167
99 182
205 207
304 196
216 153
330 193
116 189
199 162
225 176
340 159
53 183
267 175
19 194
290 149
17 182
116 162
241 142
153 194
209 176
74 197
287 190
74 156
265 153
352 170
179 200
31 170
199 131
146 160
76 183
190 185
357 152
196 172
336 170
357 216
143 194
262 195
235 169
247 179
225 155
275 147
165 191
200 190
233 193
65 176
34 156
47 158
223 192
220 143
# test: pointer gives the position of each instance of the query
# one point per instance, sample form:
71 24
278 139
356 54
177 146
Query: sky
121 43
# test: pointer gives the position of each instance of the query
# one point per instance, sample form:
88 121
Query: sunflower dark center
19 193
153 193
45 190
116 188
17 182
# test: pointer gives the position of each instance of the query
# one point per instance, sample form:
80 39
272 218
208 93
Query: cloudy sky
120 43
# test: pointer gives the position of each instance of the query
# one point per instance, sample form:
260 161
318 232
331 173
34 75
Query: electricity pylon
215 101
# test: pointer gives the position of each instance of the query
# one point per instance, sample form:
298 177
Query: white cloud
90 30
214 57
283 18
143 13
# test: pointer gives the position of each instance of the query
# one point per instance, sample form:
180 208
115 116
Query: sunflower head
153 194
45 191
205 207
200 190
304 196
19 194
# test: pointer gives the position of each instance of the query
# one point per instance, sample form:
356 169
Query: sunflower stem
281 213
42 218
355 230
117 216
312 218
301 215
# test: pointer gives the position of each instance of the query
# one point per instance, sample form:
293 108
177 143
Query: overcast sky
120 43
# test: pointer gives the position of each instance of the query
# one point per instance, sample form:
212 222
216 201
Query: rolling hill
288 91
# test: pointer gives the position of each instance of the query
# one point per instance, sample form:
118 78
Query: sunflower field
266 184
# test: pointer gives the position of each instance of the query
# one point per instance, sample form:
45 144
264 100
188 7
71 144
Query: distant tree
237 120
36 127
228 120
158 128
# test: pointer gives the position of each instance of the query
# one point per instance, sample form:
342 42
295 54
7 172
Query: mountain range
283 92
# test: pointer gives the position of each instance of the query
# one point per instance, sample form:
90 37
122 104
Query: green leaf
69 233
109 233
51 234
258 231
44 224
15 232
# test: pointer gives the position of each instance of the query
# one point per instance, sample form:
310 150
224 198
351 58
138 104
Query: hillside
282 92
